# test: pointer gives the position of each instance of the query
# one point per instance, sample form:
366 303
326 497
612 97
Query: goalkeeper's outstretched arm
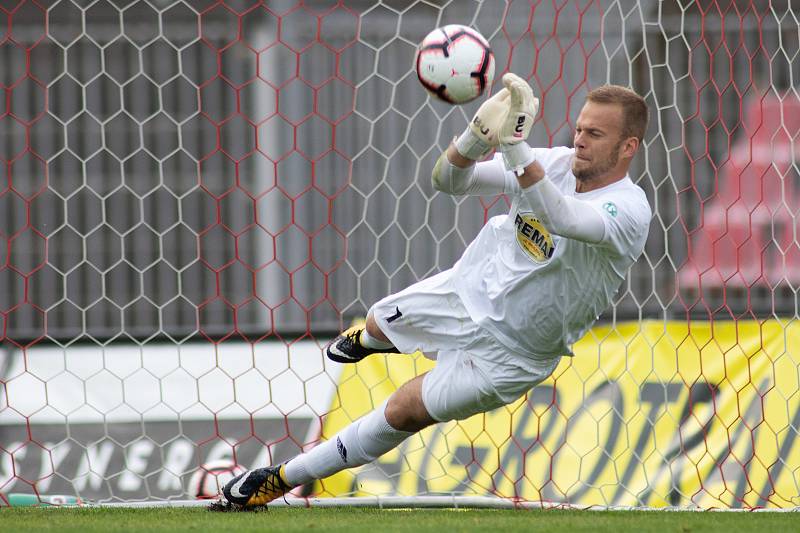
563 215
455 171
455 174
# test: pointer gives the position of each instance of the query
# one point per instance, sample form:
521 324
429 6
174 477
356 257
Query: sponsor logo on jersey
341 449
610 208
533 237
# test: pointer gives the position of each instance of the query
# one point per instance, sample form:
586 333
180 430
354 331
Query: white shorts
474 373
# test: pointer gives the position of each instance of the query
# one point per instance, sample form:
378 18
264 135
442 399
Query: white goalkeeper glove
482 134
518 123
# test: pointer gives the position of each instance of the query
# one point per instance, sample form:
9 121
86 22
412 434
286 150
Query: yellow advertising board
646 414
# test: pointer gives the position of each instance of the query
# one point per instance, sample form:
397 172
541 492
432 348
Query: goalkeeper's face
598 142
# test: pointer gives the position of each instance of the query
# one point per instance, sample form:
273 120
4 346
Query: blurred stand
746 249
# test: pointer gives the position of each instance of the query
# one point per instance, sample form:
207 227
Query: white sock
368 341
361 442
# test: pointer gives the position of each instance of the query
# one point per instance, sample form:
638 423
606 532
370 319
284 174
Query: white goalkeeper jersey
537 292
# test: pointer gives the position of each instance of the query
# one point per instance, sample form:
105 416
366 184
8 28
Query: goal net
198 195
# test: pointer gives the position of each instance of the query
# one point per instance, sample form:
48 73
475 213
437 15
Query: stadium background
199 194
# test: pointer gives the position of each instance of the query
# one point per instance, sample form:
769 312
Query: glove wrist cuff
471 146
517 156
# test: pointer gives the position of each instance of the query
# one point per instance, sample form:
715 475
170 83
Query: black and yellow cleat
347 347
255 488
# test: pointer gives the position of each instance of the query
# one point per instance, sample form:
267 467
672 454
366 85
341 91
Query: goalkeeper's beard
587 174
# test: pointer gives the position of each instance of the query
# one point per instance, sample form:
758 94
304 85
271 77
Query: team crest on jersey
610 208
534 238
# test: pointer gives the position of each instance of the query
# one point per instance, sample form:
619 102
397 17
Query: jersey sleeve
491 177
556 163
626 218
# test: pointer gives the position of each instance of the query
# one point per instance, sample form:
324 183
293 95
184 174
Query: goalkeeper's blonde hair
635 115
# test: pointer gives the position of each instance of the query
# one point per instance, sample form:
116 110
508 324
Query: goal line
439 502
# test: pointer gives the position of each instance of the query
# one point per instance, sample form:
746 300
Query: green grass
380 521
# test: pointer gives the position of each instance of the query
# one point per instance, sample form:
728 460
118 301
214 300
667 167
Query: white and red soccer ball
455 64
208 480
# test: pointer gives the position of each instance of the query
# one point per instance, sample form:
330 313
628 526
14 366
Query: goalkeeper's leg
460 385
361 442
366 439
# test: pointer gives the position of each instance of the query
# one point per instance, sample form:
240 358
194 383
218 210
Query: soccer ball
455 64
209 479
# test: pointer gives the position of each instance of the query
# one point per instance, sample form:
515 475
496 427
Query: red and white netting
198 194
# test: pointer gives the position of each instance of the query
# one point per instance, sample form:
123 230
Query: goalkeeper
529 286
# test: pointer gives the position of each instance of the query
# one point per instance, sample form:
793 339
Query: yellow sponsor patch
533 237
